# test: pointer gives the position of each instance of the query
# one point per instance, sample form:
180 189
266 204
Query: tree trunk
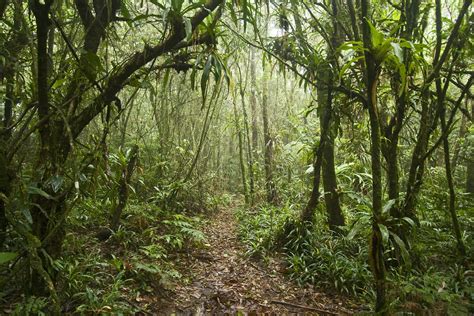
470 158
418 159
391 132
429 114
49 208
269 184
307 215
249 148
441 91
331 195
4 192
457 146
324 158
393 175
253 102
124 190
376 247
5 176
241 155
325 99
376 251
470 172
449 177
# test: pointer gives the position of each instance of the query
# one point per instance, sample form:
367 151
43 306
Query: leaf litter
221 280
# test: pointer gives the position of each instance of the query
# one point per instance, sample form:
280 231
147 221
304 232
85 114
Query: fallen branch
302 307
204 257
143 311
253 265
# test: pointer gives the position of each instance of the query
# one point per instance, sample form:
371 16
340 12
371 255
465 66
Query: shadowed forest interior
240 157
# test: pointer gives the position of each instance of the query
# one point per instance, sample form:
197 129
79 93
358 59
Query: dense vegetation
340 132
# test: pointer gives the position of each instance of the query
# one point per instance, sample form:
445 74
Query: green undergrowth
114 276
431 280
311 255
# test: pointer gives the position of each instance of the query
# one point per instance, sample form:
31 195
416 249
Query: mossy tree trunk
376 249
470 157
14 46
124 187
331 195
5 175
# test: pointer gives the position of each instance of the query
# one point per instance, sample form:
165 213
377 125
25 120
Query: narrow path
224 281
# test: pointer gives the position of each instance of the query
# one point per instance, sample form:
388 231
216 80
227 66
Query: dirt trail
224 281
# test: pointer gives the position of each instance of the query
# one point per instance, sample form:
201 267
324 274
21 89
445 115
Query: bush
104 277
312 255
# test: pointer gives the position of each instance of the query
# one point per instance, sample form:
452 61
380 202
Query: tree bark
376 250
124 190
470 171
449 178
461 137
441 91
253 102
241 155
326 96
324 154
418 159
470 158
14 46
54 148
4 192
331 195
307 215
250 161
269 183
5 174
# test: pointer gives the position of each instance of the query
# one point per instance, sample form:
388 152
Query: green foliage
312 255
315 256
102 278
424 278
103 293
7 256
181 228
258 228
163 80
432 290
31 306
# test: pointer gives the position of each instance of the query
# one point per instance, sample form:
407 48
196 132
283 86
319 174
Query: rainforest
236 157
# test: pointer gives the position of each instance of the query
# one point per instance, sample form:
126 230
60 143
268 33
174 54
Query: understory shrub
104 277
432 281
312 255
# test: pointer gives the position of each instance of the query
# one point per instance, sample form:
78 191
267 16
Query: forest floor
222 280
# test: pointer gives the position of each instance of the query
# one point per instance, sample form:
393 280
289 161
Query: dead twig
253 265
141 310
302 307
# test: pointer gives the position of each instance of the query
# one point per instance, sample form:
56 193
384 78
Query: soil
223 281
